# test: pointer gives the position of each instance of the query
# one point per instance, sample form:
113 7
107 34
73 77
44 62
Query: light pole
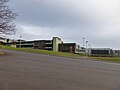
20 41
86 47
71 49
89 50
86 44
83 45
89 45
83 42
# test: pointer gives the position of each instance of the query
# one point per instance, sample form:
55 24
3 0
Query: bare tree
6 18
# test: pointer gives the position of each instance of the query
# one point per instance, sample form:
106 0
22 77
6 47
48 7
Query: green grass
41 51
110 59
46 52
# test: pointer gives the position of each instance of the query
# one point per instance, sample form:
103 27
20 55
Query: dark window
99 52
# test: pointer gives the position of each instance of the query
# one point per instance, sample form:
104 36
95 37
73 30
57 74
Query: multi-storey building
51 45
56 44
43 45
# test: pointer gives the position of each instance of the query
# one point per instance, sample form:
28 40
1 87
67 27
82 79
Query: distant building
51 45
116 53
24 44
56 44
82 50
69 47
100 52
43 45
2 39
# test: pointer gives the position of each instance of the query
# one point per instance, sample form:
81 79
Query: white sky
96 20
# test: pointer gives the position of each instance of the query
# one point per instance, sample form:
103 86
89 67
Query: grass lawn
41 51
110 59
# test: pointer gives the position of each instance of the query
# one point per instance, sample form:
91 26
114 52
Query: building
69 47
24 44
100 52
2 39
37 44
116 53
51 45
56 42
43 45
82 50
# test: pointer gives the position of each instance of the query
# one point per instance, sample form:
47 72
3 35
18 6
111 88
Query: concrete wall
56 42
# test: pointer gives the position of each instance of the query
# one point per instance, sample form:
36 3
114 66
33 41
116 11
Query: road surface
27 71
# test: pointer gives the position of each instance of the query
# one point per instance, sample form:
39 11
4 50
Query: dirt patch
3 53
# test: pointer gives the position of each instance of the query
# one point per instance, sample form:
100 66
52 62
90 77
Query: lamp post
71 49
86 47
89 45
86 44
89 50
20 41
83 42
83 45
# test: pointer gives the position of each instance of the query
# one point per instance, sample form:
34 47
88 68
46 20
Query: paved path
27 71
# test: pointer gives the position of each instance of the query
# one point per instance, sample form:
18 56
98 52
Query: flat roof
100 48
67 43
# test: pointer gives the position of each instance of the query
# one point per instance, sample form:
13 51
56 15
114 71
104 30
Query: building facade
116 53
24 44
99 52
2 39
43 45
56 42
51 45
69 47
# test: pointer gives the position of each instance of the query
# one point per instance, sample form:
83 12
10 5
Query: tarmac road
27 71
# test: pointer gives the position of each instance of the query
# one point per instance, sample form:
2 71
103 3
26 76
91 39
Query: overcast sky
98 21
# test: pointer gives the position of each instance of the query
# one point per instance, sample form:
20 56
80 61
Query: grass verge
41 51
110 59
